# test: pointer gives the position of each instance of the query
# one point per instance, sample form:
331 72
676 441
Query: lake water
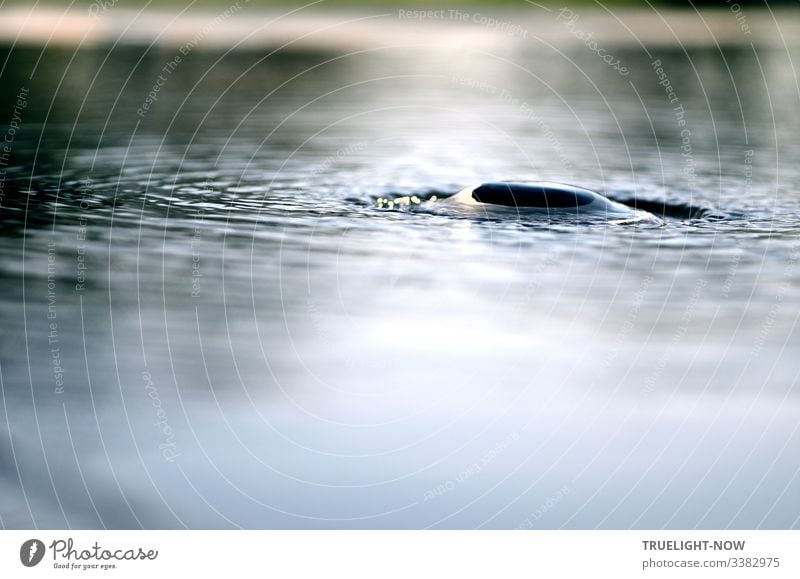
208 322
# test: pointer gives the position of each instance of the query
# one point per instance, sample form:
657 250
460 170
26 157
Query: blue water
207 322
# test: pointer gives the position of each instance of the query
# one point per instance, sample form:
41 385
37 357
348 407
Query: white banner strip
400 554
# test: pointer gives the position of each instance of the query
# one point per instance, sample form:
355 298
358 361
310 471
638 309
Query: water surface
208 322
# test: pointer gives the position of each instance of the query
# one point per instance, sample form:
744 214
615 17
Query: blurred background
423 3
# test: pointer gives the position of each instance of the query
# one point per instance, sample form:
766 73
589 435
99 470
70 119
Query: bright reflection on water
257 344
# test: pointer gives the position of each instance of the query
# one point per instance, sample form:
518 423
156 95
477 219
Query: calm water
207 322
